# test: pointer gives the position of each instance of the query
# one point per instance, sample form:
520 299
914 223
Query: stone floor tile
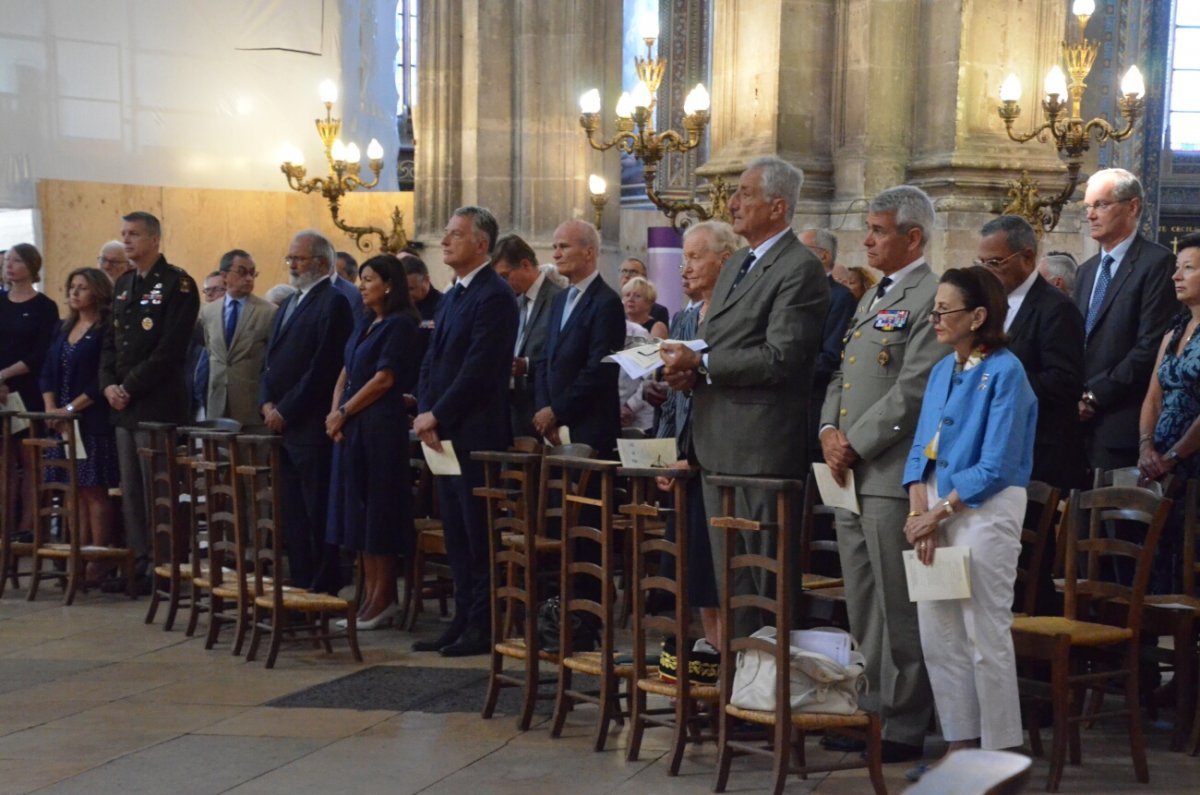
313 723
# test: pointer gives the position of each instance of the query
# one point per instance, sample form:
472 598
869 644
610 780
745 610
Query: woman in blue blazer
70 388
966 476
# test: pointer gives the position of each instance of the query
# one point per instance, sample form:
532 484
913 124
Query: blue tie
231 319
743 270
572 296
1102 280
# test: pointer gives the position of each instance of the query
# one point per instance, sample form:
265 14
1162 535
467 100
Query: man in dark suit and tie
574 387
1046 334
302 363
1127 299
763 327
516 263
464 400
823 244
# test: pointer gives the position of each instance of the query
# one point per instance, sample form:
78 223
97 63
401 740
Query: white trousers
968 642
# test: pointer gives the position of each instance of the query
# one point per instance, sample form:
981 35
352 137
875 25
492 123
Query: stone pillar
498 111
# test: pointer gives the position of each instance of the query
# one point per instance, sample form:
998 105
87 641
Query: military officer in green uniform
142 363
867 424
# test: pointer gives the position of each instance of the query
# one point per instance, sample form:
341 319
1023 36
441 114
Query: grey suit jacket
234 371
750 413
532 347
875 395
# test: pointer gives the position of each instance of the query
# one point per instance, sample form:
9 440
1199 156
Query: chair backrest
7 506
1041 513
648 548
1095 551
781 566
220 424
218 463
166 520
575 569
526 444
55 478
818 537
552 485
259 465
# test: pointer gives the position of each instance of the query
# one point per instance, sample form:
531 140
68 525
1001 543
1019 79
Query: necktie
572 295
881 290
742 271
231 319
291 307
1102 280
522 310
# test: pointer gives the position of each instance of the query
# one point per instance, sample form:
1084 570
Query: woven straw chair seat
817 582
540 543
1083 633
305 601
588 662
653 684
63 551
803 720
515 648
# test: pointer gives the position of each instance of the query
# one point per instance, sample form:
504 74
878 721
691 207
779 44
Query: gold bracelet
911 514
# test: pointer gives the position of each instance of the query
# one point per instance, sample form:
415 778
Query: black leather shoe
842 744
474 641
894 752
452 634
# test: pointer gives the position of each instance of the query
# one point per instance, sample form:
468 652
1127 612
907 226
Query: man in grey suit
235 334
517 264
763 329
867 424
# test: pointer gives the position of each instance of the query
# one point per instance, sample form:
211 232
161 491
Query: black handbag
583 636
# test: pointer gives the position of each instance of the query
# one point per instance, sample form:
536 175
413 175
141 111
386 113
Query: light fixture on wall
343 177
598 188
636 134
1070 133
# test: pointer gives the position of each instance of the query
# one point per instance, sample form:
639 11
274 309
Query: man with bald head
112 260
574 387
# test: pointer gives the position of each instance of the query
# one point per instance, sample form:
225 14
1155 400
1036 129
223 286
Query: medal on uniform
147 323
883 358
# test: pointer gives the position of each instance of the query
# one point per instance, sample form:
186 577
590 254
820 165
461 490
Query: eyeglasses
113 262
993 262
291 259
935 317
1103 205
244 272
213 290
629 272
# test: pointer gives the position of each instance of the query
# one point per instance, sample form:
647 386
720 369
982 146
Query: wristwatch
70 408
342 411
947 507
1172 455
1089 397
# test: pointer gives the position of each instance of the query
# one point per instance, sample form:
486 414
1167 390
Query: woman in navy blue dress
370 496
28 320
70 388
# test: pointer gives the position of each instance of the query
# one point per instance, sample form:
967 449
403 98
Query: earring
387 292
974 327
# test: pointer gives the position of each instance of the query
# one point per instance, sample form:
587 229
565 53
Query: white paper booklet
949 577
443 463
641 360
834 645
646 453
833 495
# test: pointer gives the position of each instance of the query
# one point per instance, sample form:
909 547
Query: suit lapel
249 308
580 306
540 304
750 280
1128 263
1028 307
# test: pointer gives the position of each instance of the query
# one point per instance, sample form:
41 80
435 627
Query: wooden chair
1042 518
788 728
510 482
1095 641
824 599
274 601
429 546
576 571
58 503
167 521
683 716
974 771
11 550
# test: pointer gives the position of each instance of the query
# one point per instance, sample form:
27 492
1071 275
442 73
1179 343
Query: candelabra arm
390 242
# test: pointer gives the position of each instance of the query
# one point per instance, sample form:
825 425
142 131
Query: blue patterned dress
1179 376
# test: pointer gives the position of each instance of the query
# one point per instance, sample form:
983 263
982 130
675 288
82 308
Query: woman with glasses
966 476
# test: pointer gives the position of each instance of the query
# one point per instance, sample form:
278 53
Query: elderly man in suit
464 399
867 424
516 263
302 363
1046 334
763 328
1127 299
235 334
574 387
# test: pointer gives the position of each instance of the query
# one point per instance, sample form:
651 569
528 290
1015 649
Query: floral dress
1179 377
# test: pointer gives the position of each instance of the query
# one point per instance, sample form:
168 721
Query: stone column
498 112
